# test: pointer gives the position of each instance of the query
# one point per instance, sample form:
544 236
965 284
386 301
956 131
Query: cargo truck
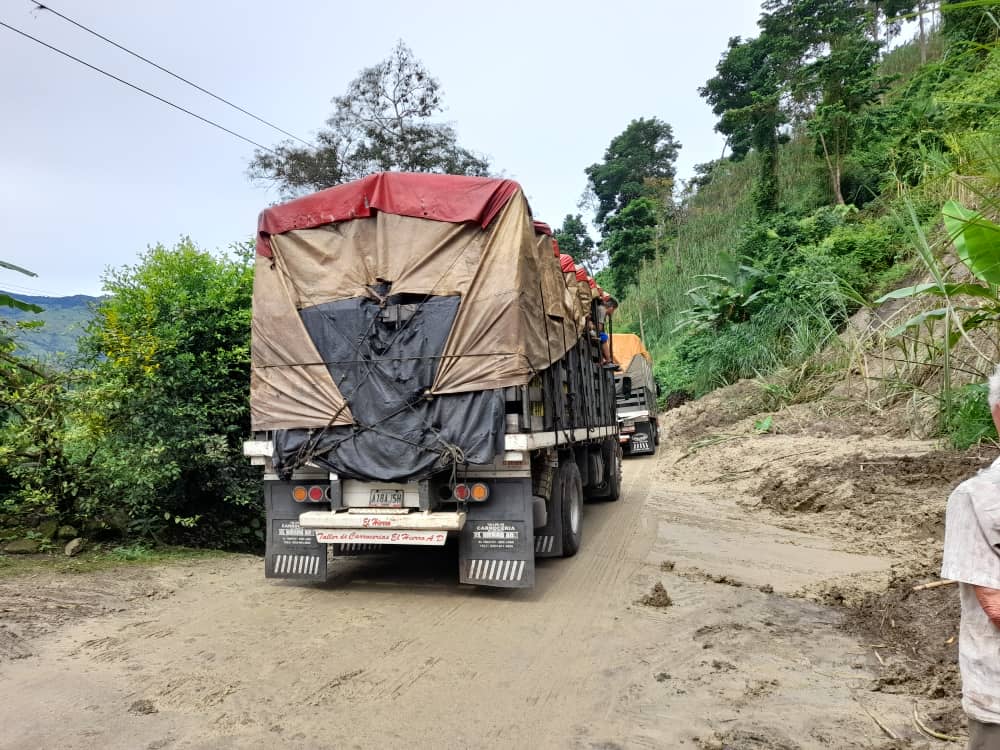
425 369
636 392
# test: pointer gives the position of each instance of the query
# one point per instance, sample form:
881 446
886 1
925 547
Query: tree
383 122
638 162
746 95
631 240
895 12
167 402
832 70
575 240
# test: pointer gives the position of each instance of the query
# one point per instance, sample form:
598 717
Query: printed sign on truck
366 536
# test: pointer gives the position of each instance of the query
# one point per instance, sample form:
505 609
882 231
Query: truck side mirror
626 386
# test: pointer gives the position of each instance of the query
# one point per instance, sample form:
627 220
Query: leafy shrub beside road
144 441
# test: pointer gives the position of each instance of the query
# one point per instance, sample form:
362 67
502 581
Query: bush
167 400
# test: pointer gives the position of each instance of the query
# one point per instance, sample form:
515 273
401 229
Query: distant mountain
64 320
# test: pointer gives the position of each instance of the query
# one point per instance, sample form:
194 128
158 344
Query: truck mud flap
290 551
496 543
549 538
641 442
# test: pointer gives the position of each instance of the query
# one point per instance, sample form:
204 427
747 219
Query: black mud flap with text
291 551
548 538
496 546
641 442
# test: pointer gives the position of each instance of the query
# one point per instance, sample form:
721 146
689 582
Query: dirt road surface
392 652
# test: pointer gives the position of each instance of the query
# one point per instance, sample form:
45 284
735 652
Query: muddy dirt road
392 652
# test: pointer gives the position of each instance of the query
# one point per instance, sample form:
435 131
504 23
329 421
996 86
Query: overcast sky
91 172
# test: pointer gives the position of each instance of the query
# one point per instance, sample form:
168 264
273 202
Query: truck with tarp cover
425 368
636 391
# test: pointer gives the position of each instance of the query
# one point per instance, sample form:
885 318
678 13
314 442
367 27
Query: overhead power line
137 88
171 73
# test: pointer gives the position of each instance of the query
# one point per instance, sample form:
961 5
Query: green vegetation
53 331
385 121
842 155
100 558
574 240
142 439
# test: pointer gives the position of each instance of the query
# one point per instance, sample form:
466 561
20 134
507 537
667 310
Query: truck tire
656 433
611 490
568 492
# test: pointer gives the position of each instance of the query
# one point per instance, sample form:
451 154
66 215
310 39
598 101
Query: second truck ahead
425 367
636 393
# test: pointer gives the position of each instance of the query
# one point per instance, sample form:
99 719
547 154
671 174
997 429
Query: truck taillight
475 492
314 494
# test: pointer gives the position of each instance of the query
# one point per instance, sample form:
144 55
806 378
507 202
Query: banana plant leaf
7 301
940 290
977 240
930 315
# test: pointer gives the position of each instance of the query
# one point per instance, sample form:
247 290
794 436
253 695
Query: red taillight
316 494
461 492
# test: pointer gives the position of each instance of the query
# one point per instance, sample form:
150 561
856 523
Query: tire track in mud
580 651
527 675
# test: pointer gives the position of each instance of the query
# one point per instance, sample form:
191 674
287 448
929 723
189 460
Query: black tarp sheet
384 359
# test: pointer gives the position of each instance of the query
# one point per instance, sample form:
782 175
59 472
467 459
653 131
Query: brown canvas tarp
513 319
289 384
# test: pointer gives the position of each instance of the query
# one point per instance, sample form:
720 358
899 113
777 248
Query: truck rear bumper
325 519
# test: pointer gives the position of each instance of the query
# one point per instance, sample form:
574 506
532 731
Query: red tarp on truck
450 198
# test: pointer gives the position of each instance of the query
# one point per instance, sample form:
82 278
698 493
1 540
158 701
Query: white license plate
386 499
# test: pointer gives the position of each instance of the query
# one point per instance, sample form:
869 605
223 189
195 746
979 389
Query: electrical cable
137 88
170 73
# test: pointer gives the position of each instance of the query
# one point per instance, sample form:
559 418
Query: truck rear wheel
568 491
611 489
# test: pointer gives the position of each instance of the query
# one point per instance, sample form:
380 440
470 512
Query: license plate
386 499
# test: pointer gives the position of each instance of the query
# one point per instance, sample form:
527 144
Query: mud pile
854 477
861 480
915 634
714 411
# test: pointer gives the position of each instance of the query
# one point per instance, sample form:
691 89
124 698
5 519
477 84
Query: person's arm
989 600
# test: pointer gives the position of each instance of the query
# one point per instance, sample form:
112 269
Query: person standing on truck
606 307
972 557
